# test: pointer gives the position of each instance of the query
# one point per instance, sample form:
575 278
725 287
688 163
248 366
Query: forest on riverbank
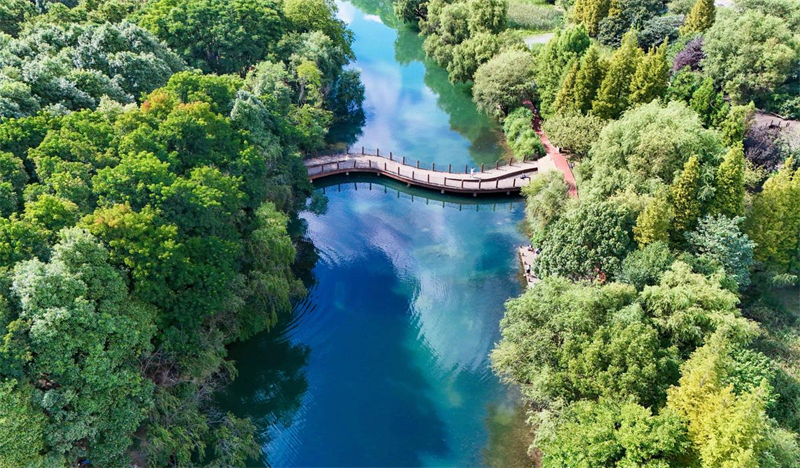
149 165
664 331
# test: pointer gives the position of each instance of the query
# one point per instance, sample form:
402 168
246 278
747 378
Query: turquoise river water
385 361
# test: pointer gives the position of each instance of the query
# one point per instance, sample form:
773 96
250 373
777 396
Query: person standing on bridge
472 172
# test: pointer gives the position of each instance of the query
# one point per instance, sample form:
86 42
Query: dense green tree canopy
504 82
73 66
750 54
645 147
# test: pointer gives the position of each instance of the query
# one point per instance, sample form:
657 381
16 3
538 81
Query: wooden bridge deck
498 179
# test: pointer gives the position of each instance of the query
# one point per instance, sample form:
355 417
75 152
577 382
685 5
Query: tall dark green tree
613 96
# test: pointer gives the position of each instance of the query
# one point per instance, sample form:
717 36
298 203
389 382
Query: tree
736 124
683 195
590 77
555 60
503 83
319 15
700 18
645 148
13 15
84 364
612 97
687 308
561 341
654 222
565 99
643 267
587 242
220 36
487 16
727 427
545 199
574 133
690 56
708 103
590 13
112 61
521 137
729 185
471 54
614 435
774 221
651 78
720 240
749 54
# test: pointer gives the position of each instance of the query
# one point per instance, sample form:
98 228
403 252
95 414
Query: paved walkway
468 180
558 159
527 256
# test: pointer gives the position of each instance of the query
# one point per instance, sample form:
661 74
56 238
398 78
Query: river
385 361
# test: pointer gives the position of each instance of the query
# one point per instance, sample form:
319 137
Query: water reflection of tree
271 382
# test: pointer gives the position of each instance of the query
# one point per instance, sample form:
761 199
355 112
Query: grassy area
534 16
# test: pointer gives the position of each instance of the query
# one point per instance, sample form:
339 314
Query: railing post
497 165
482 164
412 175
433 167
496 183
466 168
390 156
377 152
429 178
479 184
512 162
370 163
362 150
449 168
514 182
337 165
404 160
418 164
462 183
384 167
398 170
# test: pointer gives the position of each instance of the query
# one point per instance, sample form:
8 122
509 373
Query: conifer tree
684 198
729 196
707 102
590 13
652 76
774 222
653 223
736 124
700 18
612 98
555 60
565 99
589 79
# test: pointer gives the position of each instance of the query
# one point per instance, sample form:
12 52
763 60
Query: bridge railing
412 175
416 163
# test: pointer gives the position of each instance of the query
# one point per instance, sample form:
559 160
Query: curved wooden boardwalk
495 179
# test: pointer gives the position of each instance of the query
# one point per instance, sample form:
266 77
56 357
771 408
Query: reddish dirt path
558 159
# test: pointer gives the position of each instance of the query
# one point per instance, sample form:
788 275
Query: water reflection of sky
411 108
385 362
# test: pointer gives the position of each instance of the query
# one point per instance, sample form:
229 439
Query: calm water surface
385 362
